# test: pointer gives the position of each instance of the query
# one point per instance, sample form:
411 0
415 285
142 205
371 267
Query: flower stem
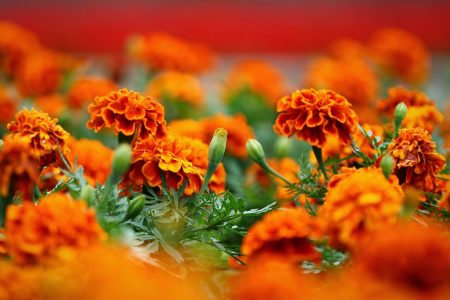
318 154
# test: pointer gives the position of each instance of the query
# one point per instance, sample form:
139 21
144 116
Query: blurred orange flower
8 106
39 74
426 116
53 104
161 51
359 203
128 113
400 54
416 161
351 78
189 128
85 89
176 86
312 114
55 227
239 132
258 76
283 233
19 166
166 156
94 157
45 134
346 48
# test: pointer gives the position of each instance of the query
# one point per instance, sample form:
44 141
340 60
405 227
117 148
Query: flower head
168 156
85 89
286 232
426 116
400 54
258 76
416 159
94 157
313 114
353 79
46 231
176 86
45 135
396 95
359 203
19 166
161 51
189 128
128 113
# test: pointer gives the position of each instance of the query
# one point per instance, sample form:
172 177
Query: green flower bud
387 165
88 194
121 160
217 146
400 112
1 145
135 207
255 151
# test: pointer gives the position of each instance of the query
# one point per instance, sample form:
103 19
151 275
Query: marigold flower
416 159
176 86
8 106
258 76
286 232
396 95
47 231
311 114
161 51
39 74
53 104
352 78
189 128
128 113
239 132
19 166
94 157
45 134
15 43
410 255
426 116
166 156
358 203
400 54
85 89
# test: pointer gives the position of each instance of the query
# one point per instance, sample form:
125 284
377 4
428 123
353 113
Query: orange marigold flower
285 232
85 89
94 157
426 116
239 132
53 104
15 43
8 106
359 203
161 51
258 76
176 86
347 49
416 159
39 74
410 255
189 128
199 158
168 156
45 134
56 225
395 95
19 166
286 166
128 113
352 78
311 114
400 54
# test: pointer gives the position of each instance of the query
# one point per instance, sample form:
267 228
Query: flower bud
387 165
88 194
255 151
122 159
135 207
217 146
400 112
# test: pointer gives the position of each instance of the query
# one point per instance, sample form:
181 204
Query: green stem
318 154
209 173
270 170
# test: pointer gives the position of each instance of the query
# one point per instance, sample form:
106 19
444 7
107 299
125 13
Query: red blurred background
227 26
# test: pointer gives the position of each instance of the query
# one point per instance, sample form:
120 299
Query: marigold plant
313 114
416 161
128 113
